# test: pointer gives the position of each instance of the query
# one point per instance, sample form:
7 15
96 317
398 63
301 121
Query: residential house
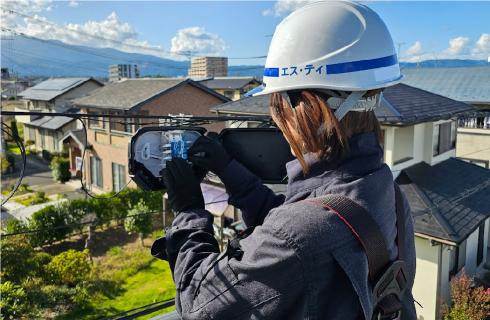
108 138
448 197
52 95
470 85
232 87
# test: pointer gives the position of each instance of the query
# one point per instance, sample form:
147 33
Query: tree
139 220
60 169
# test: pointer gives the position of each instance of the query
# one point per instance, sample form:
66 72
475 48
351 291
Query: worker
327 65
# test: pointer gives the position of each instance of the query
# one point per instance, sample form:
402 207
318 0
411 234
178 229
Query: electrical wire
22 149
99 221
78 224
83 186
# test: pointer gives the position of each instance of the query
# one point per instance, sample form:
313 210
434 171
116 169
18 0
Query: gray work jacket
301 261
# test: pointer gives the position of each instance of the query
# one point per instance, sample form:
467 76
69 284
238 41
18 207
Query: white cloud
110 32
73 4
197 40
416 49
9 14
482 47
282 7
414 53
457 46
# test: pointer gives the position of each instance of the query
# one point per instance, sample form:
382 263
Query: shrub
469 302
139 220
53 220
39 197
13 303
29 143
60 168
14 226
5 164
46 155
16 258
70 267
24 187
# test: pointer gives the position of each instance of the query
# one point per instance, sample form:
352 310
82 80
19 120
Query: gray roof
50 122
468 84
448 200
234 83
402 105
133 92
52 88
77 135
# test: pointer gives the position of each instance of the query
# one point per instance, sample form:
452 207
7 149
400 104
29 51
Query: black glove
183 188
209 153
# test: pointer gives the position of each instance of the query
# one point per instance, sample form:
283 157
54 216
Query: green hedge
61 220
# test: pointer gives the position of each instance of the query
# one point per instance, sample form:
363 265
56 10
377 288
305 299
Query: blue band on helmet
336 68
271 72
361 65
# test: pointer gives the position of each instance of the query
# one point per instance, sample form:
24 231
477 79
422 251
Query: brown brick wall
112 147
185 99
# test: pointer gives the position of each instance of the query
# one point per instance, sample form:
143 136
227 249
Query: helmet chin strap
348 103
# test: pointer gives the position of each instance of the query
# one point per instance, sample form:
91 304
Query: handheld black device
263 151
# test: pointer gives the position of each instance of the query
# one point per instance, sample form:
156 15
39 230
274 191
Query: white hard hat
331 45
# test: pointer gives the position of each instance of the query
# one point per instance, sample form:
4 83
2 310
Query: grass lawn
129 277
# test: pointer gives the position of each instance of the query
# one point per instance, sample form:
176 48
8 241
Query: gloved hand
209 153
183 188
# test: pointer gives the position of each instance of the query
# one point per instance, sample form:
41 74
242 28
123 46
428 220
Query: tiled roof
50 123
469 84
402 104
228 82
52 88
132 92
448 200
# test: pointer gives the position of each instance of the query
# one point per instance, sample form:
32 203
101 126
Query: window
479 252
95 122
96 171
118 177
444 137
121 124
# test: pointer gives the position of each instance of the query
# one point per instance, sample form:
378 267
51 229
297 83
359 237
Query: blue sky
243 28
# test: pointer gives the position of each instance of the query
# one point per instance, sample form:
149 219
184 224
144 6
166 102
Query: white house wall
399 139
425 288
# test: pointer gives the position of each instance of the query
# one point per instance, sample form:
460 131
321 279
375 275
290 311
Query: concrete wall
425 288
474 144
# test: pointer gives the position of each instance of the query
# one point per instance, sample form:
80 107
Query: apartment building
123 71
52 95
205 67
448 197
106 159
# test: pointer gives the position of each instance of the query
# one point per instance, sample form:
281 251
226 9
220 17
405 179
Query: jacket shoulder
310 227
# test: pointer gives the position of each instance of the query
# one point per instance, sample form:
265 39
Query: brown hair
313 127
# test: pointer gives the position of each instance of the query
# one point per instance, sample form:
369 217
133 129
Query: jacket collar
365 156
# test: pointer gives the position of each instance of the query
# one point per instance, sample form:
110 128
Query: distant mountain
444 63
52 58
